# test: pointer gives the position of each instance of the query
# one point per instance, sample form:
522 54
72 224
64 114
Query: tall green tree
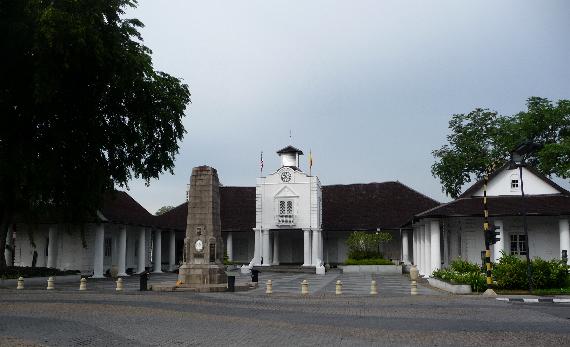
482 139
82 108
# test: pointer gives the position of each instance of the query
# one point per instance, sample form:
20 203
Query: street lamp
517 161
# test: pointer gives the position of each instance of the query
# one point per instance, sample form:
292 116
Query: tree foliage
163 209
362 245
482 139
83 109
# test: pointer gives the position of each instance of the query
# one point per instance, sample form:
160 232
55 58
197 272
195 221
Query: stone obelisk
202 266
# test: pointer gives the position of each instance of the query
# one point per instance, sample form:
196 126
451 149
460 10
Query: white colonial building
288 215
455 230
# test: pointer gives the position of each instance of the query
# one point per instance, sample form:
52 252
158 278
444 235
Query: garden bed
450 287
378 269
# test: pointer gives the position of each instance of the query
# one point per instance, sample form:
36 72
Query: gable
286 192
501 184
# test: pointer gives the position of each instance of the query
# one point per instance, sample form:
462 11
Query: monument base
198 275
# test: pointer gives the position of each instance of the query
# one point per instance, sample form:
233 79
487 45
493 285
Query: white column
564 237
157 251
230 246
315 247
141 257
405 247
500 245
9 253
122 251
435 233
422 249
266 255
114 245
172 251
52 247
306 247
427 257
321 245
414 246
275 247
98 251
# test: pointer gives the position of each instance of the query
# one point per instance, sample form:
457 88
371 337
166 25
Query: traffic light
491 235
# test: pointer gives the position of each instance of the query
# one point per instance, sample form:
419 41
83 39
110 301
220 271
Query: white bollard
83 284
373 288
50 283
338 288
20 283
304 287
119 284
414 289
269 289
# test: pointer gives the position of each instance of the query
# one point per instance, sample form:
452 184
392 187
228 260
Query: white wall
501 184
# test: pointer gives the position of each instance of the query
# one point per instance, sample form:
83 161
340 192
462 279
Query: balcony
285 219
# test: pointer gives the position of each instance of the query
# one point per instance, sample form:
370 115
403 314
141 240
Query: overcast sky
368 86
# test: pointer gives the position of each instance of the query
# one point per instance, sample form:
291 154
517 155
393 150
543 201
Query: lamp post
517 161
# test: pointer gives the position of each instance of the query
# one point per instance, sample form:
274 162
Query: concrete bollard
83 284
304 287
51 282
119 284
414 289
338 288
20 283
269 289
373 288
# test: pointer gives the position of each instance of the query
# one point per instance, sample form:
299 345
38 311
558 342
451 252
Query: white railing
285 219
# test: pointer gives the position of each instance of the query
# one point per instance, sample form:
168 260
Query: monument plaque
203 246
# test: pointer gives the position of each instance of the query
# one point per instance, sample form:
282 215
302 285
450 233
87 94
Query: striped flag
310 161
261 163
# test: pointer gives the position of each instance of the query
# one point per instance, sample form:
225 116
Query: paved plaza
103 317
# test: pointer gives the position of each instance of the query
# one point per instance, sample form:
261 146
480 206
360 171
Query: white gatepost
98 251
275 248
122 251
500 245
157 251
422 247
435 241
141 252
564 237
427 256
306 247
266 255
172 251
405 246
230 246
52 247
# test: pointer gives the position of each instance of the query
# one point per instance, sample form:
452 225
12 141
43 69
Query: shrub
370 261
463 272
511 273
363 245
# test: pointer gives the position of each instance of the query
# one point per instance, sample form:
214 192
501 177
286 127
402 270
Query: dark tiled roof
542 205
175 218
345 207
290 149
387 205
237 208
120 207
237 211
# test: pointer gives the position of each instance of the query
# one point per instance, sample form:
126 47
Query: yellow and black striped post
488 269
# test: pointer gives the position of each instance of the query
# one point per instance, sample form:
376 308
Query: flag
310 161
261 162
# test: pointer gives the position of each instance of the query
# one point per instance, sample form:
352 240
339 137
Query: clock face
285 176
199 245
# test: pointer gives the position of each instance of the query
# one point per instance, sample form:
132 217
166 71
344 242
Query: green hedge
24 271
463 272
370 261
511 273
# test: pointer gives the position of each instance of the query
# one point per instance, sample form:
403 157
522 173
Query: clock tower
288 215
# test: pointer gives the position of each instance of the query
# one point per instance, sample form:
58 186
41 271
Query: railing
285 219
